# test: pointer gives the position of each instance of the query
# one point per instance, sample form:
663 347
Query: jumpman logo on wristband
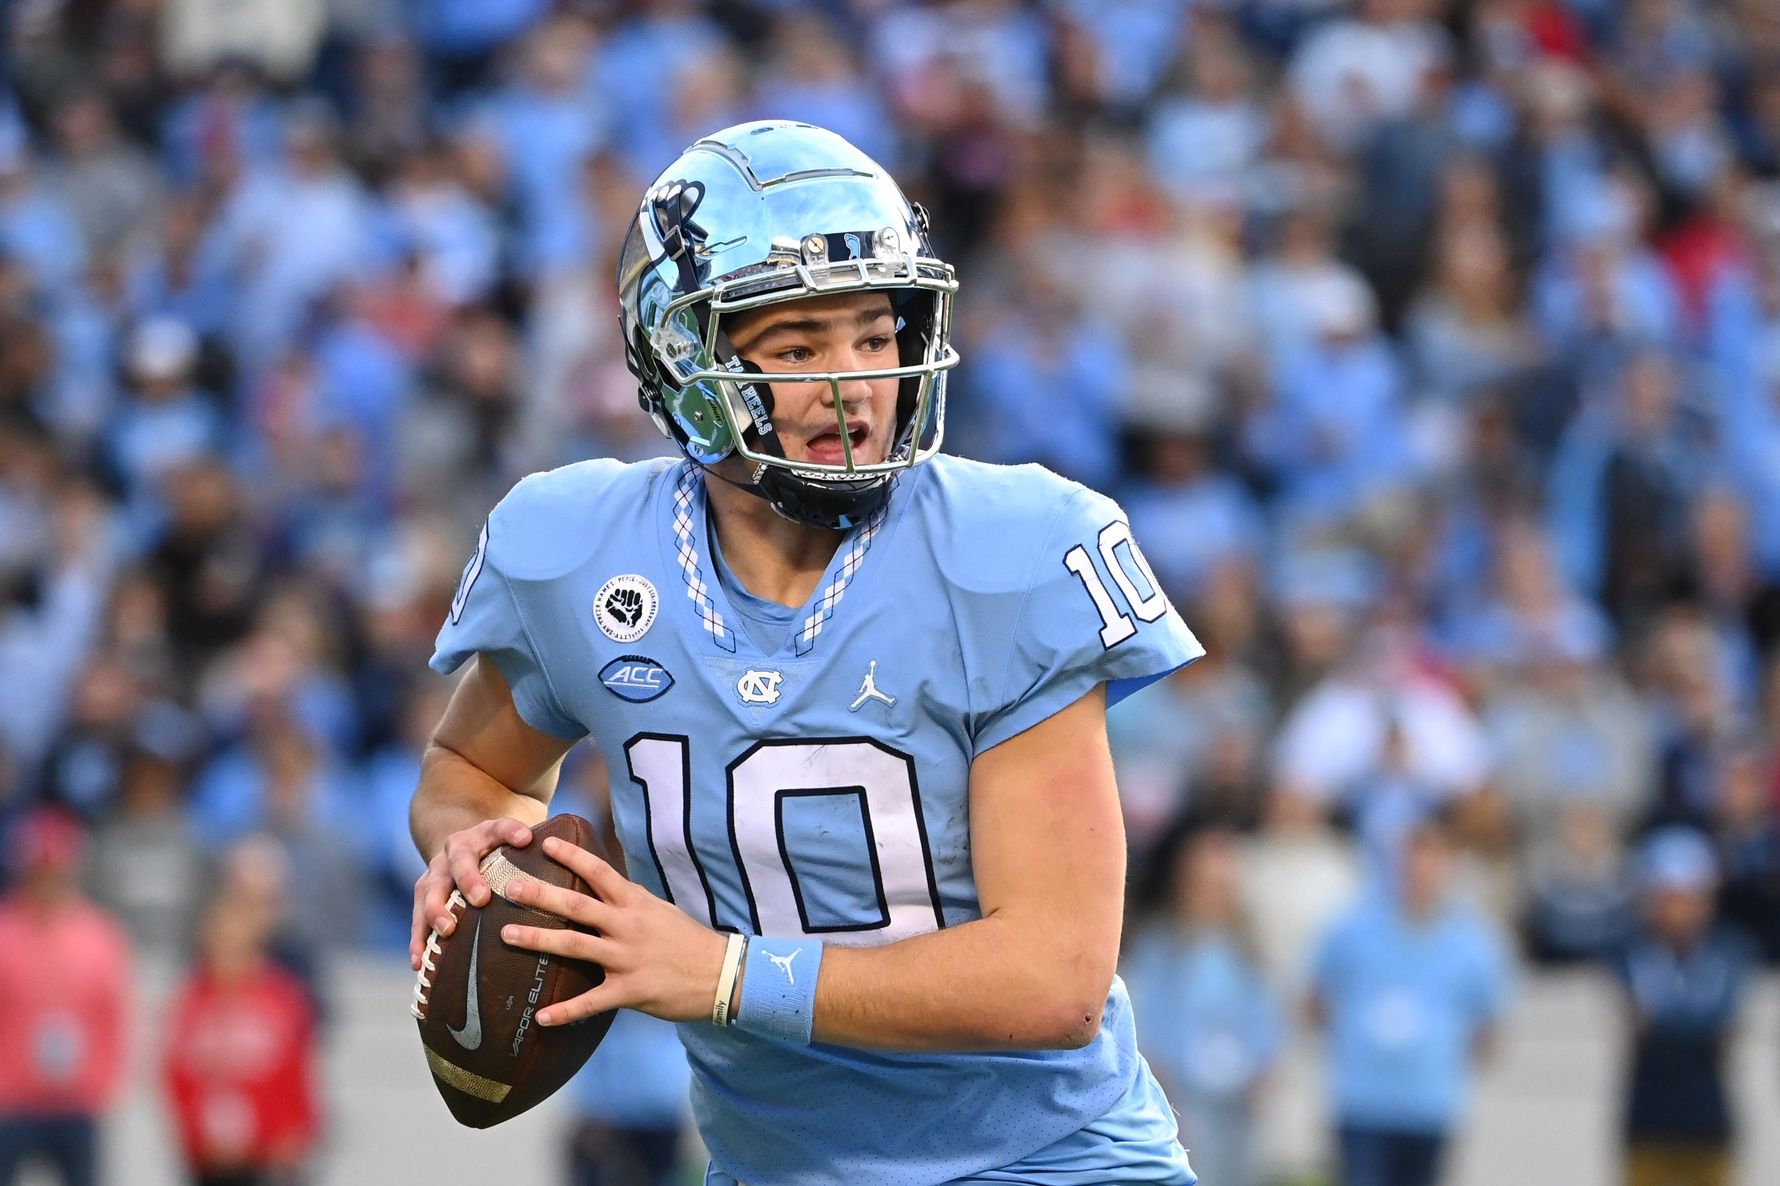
783 963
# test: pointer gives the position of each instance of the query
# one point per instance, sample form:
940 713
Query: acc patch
625 607
636 678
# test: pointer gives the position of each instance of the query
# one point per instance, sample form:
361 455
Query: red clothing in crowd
240 1070
64 983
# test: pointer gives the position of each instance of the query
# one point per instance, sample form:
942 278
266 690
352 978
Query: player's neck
771 556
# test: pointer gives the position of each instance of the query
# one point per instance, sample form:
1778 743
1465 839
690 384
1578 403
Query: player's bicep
483 726
1048 841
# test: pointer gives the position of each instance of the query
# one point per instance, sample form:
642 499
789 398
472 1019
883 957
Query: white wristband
732 963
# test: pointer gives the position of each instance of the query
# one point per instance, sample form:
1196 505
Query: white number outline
1116 627
682 874
472 571
682 870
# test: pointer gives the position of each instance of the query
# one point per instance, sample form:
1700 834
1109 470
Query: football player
853 693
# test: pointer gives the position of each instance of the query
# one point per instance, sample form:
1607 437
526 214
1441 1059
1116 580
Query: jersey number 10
1115 626
878 887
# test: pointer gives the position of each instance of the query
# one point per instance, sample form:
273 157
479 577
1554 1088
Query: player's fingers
508 831
564 903
607 883
595 1000
564 941
467 848
465 852
417 925
435 906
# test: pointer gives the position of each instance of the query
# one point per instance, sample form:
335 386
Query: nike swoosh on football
470 1037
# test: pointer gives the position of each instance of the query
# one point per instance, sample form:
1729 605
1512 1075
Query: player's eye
795 354
877 343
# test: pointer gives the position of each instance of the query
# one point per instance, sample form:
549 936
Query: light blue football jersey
823 789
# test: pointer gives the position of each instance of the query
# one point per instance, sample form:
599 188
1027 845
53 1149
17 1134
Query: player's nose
851 391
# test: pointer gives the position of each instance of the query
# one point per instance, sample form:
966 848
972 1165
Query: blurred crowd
1432 345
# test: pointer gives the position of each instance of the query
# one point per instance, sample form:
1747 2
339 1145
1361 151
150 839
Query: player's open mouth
825 448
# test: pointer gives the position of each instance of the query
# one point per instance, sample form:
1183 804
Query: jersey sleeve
1093 613
486 618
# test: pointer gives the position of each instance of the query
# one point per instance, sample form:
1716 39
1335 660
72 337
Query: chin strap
832 506
836 506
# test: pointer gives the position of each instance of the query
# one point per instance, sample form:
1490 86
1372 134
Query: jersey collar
708 600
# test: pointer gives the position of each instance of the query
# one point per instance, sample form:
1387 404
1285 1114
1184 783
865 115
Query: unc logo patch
625 607
759 687
636 678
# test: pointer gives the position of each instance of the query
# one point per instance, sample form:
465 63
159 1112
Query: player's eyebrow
789 326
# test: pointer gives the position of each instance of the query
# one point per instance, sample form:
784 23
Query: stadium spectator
1410 987
1579 895
1747 838
814 73
1299 876
147 867
1683 977
1208 126
1209 1018
280 780
65 978
1465 331
279 37
35 227
1621 482
51 615
289 230
1697 715
1341 731
1331 439
239 1066
1050 382
1196 750
164 423
546 124
1177 491
1359 70
106 182
1565 727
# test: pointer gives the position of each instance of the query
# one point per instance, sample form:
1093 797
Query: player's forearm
992 984
455 794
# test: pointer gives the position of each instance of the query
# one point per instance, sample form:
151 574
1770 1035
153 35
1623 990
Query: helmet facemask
837 495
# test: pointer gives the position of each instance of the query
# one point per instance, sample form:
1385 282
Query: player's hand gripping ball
477 998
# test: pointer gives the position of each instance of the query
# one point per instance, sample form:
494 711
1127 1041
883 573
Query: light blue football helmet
774 211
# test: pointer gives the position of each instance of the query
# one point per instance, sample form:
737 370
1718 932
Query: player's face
853 331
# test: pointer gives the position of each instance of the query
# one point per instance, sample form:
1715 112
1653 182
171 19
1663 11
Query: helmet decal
671 206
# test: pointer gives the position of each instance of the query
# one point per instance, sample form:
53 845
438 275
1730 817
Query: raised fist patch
625 607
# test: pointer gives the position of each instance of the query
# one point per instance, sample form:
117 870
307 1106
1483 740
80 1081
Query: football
476 998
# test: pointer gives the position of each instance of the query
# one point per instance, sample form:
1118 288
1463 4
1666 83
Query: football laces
423 984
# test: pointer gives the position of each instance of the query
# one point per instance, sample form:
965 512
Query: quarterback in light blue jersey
853 696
